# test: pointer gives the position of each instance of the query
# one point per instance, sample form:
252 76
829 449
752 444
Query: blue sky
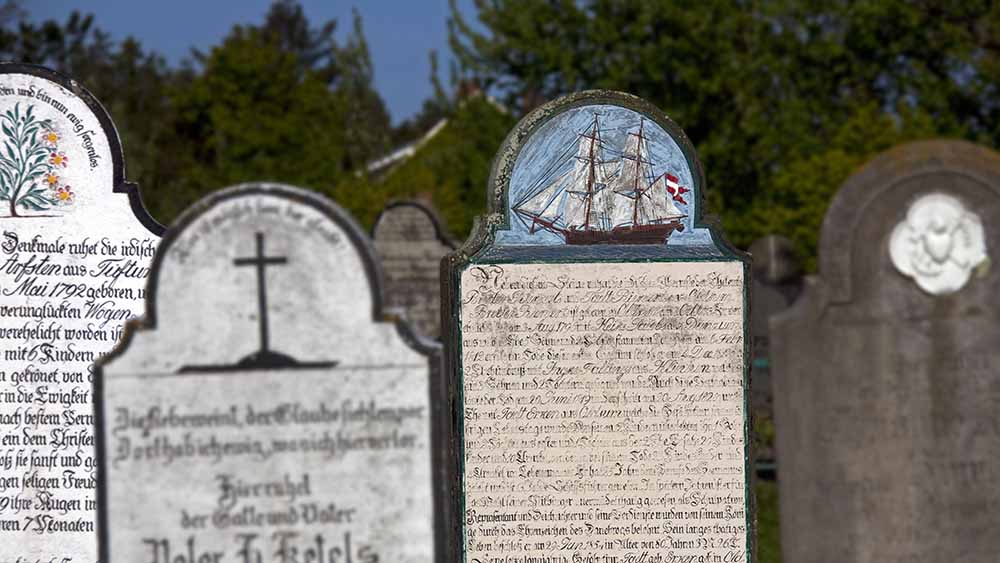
400 33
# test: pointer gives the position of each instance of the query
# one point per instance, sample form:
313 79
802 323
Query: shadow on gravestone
777 282
75 246
265 407
596 346
884 370
410 240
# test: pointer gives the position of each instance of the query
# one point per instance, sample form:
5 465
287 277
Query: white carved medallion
939 244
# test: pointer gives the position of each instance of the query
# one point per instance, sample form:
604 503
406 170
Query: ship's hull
642 234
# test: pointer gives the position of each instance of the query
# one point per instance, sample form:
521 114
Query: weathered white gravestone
75 245
598 349
263 410
885 370
410 241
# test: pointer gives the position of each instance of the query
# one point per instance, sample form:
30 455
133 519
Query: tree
452 168
280 101
761 87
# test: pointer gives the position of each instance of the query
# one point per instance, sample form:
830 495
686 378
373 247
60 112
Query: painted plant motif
31 163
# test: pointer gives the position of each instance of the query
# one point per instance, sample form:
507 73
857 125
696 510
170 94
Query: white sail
544 204
584 188
601 194
635 166
657 203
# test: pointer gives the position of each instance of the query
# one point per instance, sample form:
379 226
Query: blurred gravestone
777 282
260 412
410 242
886 390
75 246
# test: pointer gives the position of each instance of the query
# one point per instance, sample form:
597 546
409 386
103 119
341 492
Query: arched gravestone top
182 265
540 152
265 302
884 402
573 317
75 244
410 239
426 221
86 137
880 192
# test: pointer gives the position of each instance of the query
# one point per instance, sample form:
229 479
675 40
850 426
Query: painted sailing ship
607 196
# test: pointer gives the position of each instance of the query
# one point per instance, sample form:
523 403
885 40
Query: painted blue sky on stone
552 140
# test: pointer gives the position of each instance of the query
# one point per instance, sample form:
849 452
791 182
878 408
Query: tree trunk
13 206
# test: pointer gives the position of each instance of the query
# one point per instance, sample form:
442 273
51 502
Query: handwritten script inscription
604 412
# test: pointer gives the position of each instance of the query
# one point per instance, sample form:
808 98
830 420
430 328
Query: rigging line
554 163
544 177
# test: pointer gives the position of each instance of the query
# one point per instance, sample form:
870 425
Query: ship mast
590 176
635 183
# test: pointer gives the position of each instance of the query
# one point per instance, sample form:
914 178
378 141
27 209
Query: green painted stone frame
483 239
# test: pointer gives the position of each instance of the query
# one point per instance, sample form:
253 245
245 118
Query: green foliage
451 168
280 101
769 92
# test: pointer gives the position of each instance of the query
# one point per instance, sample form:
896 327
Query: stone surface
777 282
264 406
885 394
75 246
410 241
601 384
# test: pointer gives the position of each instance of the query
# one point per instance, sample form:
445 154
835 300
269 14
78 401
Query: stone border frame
497 216
121 185
440 228
439 421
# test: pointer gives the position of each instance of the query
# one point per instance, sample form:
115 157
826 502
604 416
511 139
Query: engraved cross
261 262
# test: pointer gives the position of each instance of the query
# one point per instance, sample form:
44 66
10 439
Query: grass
768 544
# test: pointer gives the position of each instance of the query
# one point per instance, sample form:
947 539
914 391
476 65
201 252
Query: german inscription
604 412
73 264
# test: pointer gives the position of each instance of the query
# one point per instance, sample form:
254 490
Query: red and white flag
675 188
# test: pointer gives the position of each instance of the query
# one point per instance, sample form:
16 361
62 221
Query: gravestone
777 282
597 349
886 390
264 409
410 242
75 246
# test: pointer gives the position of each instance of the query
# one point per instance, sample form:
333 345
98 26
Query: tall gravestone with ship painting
886 389
410 240
597 348
75 245
264 409
777 283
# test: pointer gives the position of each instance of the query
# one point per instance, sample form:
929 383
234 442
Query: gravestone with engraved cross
597 345
410 240
886 387
75 248
264 409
